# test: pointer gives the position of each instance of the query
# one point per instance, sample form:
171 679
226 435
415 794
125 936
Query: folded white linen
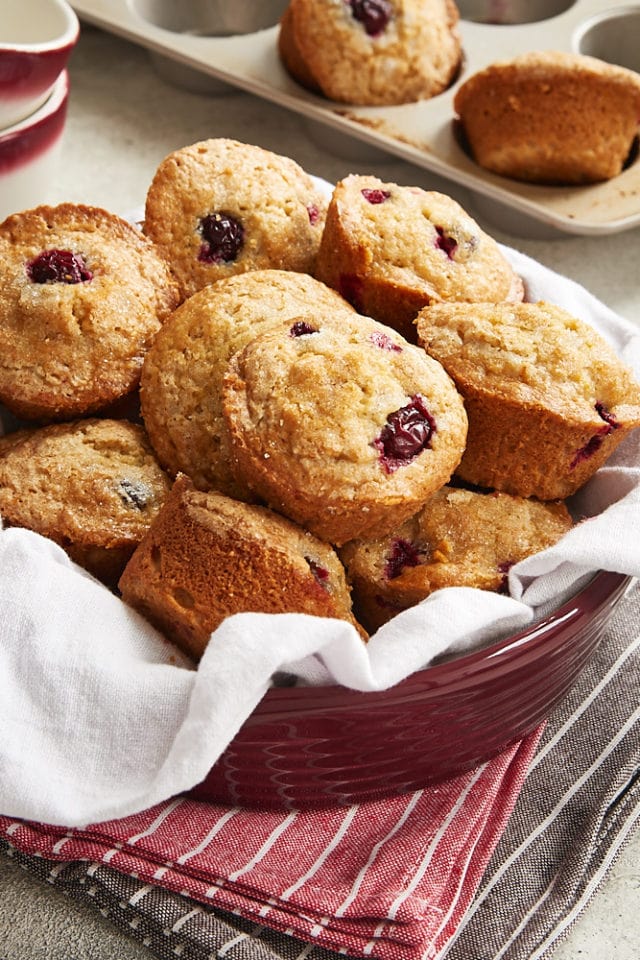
100 717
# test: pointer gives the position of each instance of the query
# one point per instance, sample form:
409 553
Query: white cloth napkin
100 717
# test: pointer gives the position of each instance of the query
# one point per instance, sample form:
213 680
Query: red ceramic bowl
36 40
320 746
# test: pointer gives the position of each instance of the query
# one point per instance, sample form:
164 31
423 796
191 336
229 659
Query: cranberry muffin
93 486
548 400
460 538
207 556
181 386
347 431
371 51
83 294
551 117
220 207
391 250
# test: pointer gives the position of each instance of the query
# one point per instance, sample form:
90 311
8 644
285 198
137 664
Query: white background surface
123 119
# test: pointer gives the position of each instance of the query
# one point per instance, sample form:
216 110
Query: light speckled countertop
123 119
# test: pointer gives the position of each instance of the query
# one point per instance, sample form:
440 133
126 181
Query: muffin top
374 52
537 354
93 482
220 207
83 294
412 239
354 419
181 384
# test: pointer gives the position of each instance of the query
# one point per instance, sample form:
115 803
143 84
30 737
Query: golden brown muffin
548 400
207 557
460 538
371 51
182 375
551 117
392 250
92 486
219 207
83 294
347 431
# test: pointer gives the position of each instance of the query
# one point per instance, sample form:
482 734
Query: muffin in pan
83 294
220 207
347 431
551 117
372 52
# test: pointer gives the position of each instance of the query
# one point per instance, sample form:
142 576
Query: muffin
392 250
548 400
93 486
346 431
460 538
207 556
551 117
83 294
219 207
182 375
371 51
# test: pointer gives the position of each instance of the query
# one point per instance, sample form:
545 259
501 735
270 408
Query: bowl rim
52 104
68 37
480 665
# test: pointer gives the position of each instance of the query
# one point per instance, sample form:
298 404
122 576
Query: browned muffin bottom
93 486
391 250
220 207
83 294
373 52
345 430
551 117
460 538
181 386
548 399
207 556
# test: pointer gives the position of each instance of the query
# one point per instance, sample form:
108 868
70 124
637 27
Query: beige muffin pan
234 41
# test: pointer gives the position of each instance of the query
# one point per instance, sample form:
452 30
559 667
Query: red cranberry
446 243
223 237
384 342
321 574
301 328
58 266
372 195
594 444
403 554
314 214
407 433
374 15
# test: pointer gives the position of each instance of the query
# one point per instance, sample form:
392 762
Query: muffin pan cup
421 133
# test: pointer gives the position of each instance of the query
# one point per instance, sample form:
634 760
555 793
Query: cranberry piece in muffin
374 15
406 434
58 266
223 237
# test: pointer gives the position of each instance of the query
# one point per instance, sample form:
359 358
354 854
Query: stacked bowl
36 41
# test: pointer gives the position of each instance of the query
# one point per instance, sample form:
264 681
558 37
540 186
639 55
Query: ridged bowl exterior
320 746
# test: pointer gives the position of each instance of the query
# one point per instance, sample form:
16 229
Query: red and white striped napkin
387 879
